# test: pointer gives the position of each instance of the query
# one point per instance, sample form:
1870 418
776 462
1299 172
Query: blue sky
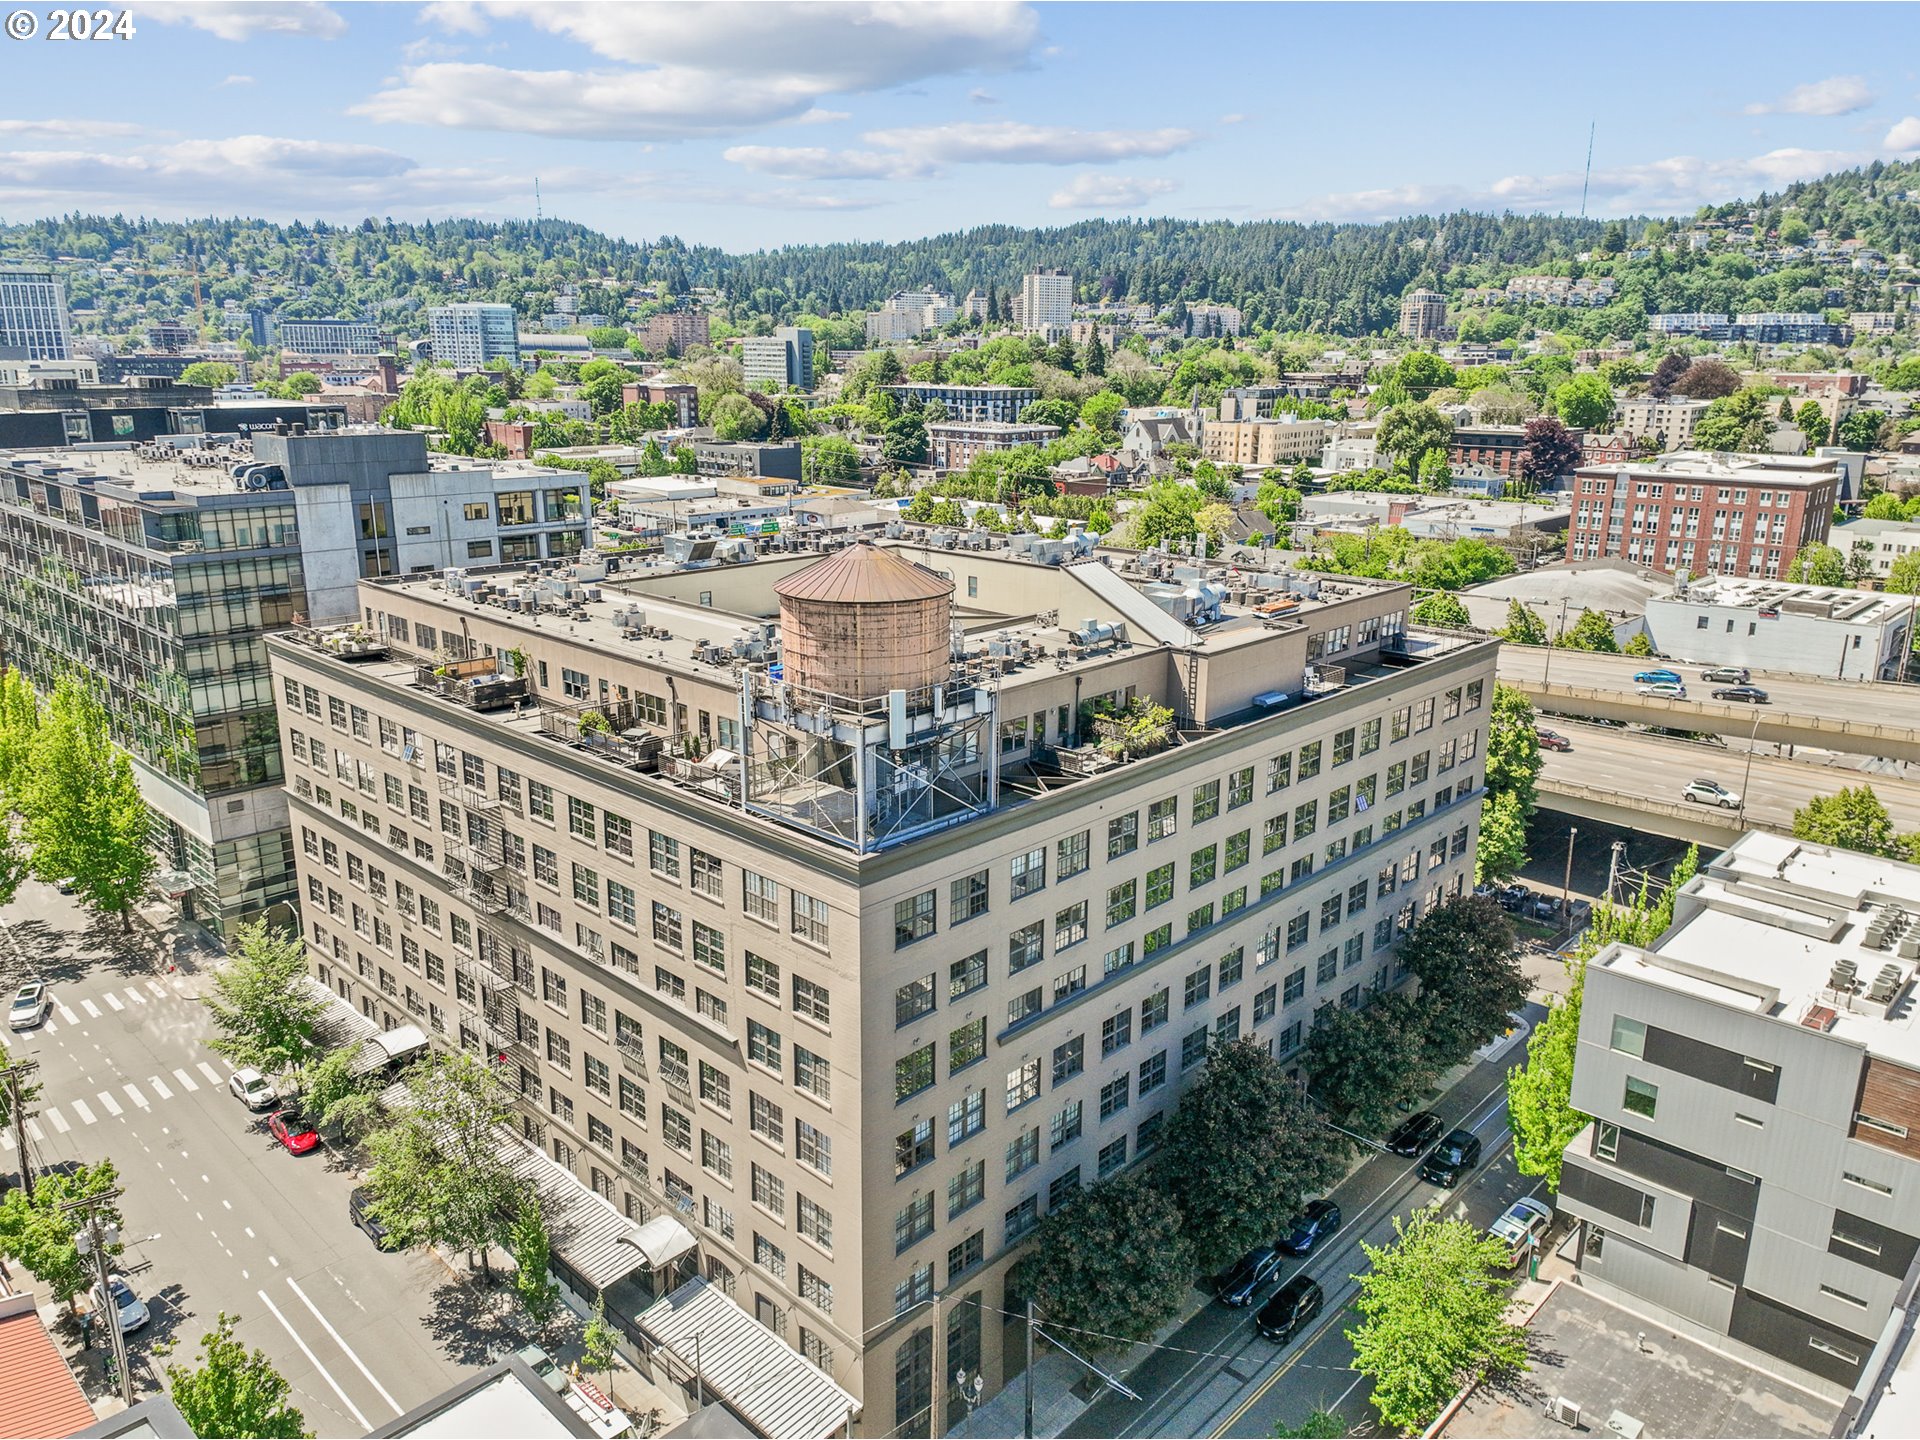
755 125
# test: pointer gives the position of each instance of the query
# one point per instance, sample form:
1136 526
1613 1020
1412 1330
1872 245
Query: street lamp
969 1388
1746 780
1566 882
1546 672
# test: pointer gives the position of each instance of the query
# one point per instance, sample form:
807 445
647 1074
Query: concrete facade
1794 629
472 337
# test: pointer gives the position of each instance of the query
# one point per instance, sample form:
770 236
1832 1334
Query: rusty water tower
863 621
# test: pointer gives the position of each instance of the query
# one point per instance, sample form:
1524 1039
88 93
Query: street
1886 701
1218 1376
218 1217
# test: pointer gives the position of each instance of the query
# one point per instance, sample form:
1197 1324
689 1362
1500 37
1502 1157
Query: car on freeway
1314 1224
1658 677
1289 1309
1750 694
292 1131
1551 739
1711 792
1521 1228
1414 1134
1727 675
132 1309
32 1003
250 1086
364 1219
1247 1274
1452 1159
1665 690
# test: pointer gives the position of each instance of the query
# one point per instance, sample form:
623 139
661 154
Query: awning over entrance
761 1378
662 1240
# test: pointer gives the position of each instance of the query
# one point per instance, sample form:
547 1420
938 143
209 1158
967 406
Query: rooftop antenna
1584 179
536 187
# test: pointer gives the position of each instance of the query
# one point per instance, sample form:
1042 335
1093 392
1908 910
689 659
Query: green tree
39 1231
1592 632
1814 424
735 417
1101 413
1584 402
599 1342
1319 1424
1523 627
1469 971
1092 1278
1861 430
1513 747
1640 645
905 441
1050 412
532 1251
85 818
1903 576
234 1392
1818 564
19 722
209 372
335 1098
1364 1064
1853 819
263 1004
1242 1150
29 1091
1433 1309
1501 849
1442 608
829 460
1406 432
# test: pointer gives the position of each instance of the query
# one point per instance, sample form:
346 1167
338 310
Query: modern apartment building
1278 441
967 402
799 899
1045 301
1670 420
1423 315
676 332
332 337
1705 514
158 572
952 444
472 336
908 314
685 399
1754 1079
33 315
778 361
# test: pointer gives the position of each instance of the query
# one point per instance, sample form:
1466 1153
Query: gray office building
331 337
33 315
472 337
778 361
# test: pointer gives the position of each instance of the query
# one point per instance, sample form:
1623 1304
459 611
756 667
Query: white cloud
816 163
239 20
1013 142
981 96
1905 135
1236 118
237 80
817 116
1094 191
1836 95
65 130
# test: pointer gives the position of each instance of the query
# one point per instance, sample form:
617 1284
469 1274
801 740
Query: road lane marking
157 988
249 1230
34 1132
68 1015
325 1373
113 1105
50 1026
112 1002
227 1203
275 1260
59 1120
186 1080
80 1109
133 1093
135 996
159 1087
294 1285
93 1012
214 1077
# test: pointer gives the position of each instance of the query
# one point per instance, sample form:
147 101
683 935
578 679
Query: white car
31 1006
1711 792
250 1086
1521 1228
133 1310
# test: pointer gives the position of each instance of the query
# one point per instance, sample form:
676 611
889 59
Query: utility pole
1033 1320
936 1378
1613 867
1566 882
94 1241
14 1077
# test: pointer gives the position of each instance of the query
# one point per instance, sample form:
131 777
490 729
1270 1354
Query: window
1206 801
1066 1125
1123 835
913 1073
966 976
1193 1048
809 918
1063 1190
766 1119
1025 947
1069 982
1159 885
1630 1038
1121 903
760 897
1115 1094
1029 872
1163 818
1279 772
1199 987
1201 866
1641 1098
966 1117
812 1073
1023 1084
1239 849
1025 1004
1153 1011
1069 1059
813 1147
912 1147
912 1000
916 1289
763 1046
764 976
1022 1218
1116 1031
809 1000
1113 1156
1070 926
966 1045
1072 854
913 919
1866 1184
1023 1152
769 1190
1153 1073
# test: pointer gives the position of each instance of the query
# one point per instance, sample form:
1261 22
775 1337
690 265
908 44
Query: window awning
760 1377
662 1240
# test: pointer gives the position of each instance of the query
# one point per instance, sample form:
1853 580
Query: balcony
472 684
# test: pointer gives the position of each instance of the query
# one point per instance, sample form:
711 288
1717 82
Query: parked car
1452 1159
1485 890
1319 1220
1711 792
32 1003
130 1307
1512 897
1551 739
1247 1274
66 885
1727 675
1522 1227
364 1219
1289 1309
1750 694
250 1086
1658 677
292 1131
1414 1134
1543 907
1665 690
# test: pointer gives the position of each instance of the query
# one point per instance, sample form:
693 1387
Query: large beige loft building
798 899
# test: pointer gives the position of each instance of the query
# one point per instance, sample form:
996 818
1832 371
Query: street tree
337 1099
1320 1424
1903 576
38 1232
234 1391
437 1175
1814 424
1592 632
1640 646
263 1004
1513 747
1818 564
1501 850
19 722
1407 432
829 460
1244 1147
209 372
532 1251
85 818
1853 819
599 1341
1548 451
1091 1277
1433 1307
1442 608
1523 627
1365 1064
1470 978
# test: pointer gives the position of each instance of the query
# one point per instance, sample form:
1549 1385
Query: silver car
132 1309
31 1006
250 1086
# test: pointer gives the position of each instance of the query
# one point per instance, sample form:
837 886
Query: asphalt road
1217 1375
1634 763
217 1216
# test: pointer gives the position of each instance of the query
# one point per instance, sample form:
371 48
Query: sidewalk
185 946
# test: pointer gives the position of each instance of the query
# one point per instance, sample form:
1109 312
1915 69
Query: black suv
1319 1220
1292 1306
357 1212
1252 1270
1452 1159
1414 1134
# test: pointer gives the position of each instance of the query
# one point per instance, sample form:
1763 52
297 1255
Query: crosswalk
129 1097
119 1002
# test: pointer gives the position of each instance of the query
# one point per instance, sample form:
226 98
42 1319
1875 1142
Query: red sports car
290 1130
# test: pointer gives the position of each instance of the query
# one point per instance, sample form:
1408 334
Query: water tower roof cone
863 574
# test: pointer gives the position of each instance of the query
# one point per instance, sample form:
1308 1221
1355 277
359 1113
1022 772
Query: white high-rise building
33 315
908 314
1046 300
470 337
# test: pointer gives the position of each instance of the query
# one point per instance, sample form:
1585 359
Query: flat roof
500 1407
1590 1351
1828 602
1719 465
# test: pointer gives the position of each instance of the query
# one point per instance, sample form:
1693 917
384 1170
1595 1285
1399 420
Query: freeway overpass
1627 778
1862 718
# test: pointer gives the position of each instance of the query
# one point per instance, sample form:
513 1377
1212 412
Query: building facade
1705 514
1423 315
967 402
952 444
33 314
1046 301
859 1034
684 399
472 337
1671 420
1784 628
910 314
778 361
677 331
1748 1178
1496 449
331 337
1277 441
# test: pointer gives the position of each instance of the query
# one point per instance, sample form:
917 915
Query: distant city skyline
750 126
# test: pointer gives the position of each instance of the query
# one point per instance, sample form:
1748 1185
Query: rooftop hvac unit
1566 1411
